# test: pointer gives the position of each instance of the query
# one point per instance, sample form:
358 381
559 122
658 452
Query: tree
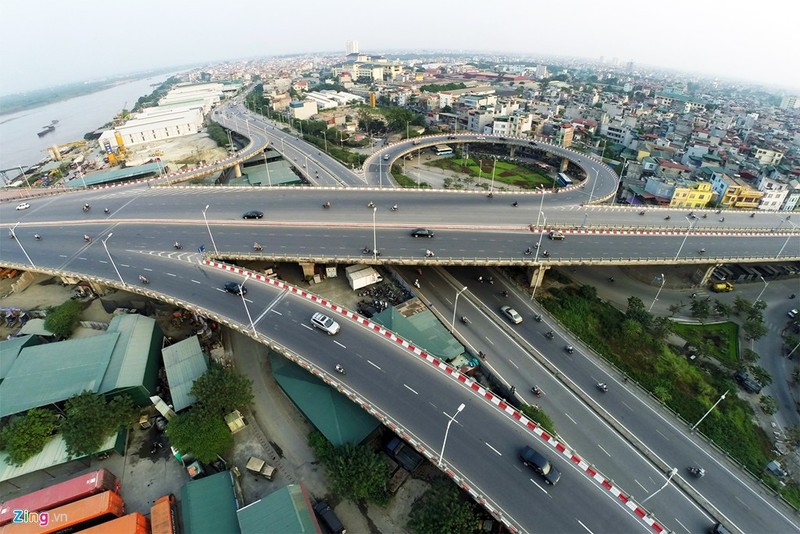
90 420
201 433
761 375
700 309
534 413
442 509
769 404
675 308
26 435
750 355
220 390
61 320
661 328
637 312
793 436
722 309
741 305
754 329
359 474
756 311
796 375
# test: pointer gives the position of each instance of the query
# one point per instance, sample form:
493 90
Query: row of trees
752 313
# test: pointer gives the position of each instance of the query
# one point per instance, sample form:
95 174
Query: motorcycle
549 334
395 208
464 319
143 280
701 251
641 213
569 348
697 471
722 219
339 369
536 391
371 204
667 218
106 211
86 207
504 293
752 215
602 387
37 237
87 238
257 247
546 254
528 251
429 254
537 318
490 280
177 246
326 205
705 215
515 204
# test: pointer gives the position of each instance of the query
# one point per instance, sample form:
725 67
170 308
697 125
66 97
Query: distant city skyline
65 42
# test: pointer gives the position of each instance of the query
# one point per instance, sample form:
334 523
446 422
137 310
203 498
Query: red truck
163 516
51 497
71 517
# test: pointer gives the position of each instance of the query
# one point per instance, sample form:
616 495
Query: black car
451 136
540 464
253 215
326 513
748 384
235 288
422 232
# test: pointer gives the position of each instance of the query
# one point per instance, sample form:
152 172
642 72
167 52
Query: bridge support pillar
537 274
564 165
237 170
512 150
308 270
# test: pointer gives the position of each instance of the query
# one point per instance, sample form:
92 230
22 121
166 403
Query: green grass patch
406 181
719 341
505 172
681 385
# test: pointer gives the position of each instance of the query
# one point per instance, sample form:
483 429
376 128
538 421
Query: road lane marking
605 451
124 265
248 300
84 259
684 526
495 450
584 526
276 311
411 390
103 261
538 486
62 255
339 344
148 270
170 274
571 419
662 434
489 340
374 365
195 281
640 485
220 290
743 503
512 363
626 405
306 326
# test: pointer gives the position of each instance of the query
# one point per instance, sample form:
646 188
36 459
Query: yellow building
741 196
692 195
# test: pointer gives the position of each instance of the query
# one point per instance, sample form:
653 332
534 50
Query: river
19 144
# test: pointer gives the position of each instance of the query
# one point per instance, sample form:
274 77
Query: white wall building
156 127
303 110
774 193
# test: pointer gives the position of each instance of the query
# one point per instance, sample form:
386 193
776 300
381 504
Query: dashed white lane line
495 450
170 274
62 256
411 390
102 261
195 282
571 419
374 365
148 270
124 265
605 451
339 344
512 363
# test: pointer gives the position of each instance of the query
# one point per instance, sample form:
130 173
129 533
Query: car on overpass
512 314
540 464
254 214
235 288
422 232
325 323
23 206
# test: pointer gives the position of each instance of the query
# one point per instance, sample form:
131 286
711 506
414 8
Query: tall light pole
121 281
594 183
380 173
787 238
14 235
541 204
722 398
663 279
691 225
455 305
672 473
374 235
447 430
266 166
762 290
246 309
325 136
536 257
491 187
25 176
209 229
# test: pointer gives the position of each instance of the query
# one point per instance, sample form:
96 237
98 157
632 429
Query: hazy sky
52 42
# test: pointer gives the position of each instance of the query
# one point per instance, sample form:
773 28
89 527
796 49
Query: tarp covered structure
184 362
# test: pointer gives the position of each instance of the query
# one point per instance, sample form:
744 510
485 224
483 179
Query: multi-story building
775 192
564 135
671 170
792 200
733 192
303 110
479 119
790 102
690 194
351 47
766 156
515 124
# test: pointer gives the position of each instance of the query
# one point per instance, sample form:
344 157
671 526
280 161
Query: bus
74 516
72 490
443 150
564 180
163 514
134 523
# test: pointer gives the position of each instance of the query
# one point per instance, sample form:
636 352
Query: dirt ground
189 149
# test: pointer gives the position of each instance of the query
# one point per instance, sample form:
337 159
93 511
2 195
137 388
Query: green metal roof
422 329
339 419
54 372
10 349
184 362
116 175
208 505
130 356
288 510
35 327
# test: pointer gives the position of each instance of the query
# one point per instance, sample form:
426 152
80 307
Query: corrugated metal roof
10 349
115 174
286 510
54 453
208 505
54 372
130 356
184 362
422 329
333 414
35 327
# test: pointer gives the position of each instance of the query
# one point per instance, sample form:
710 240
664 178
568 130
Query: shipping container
51 497
71 517
164 516
134 523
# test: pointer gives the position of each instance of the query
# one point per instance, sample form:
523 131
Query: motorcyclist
371 204
177 245
536 391
86 207
702 251
549 334
515 203
339 369
256 246
528 251
570 349
504 293
105 210
429 253
37 237
667 218
464 319
86 238
545 253
327 204
480 279
143 280
366 250
395 208
602 386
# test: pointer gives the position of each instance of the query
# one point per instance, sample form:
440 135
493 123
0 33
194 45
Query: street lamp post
374 235
244 302
209 229
447 430
266 166
594 183
25 177
112 259
536 257
14 235
541 204
672 473
787 238
691 225
455 305
325 136
491 187
663 279
762 289
722 398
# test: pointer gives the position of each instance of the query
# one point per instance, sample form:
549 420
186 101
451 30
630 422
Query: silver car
325 323
512 314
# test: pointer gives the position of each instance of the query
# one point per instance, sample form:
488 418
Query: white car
512 314
23 206
325 323
792 313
